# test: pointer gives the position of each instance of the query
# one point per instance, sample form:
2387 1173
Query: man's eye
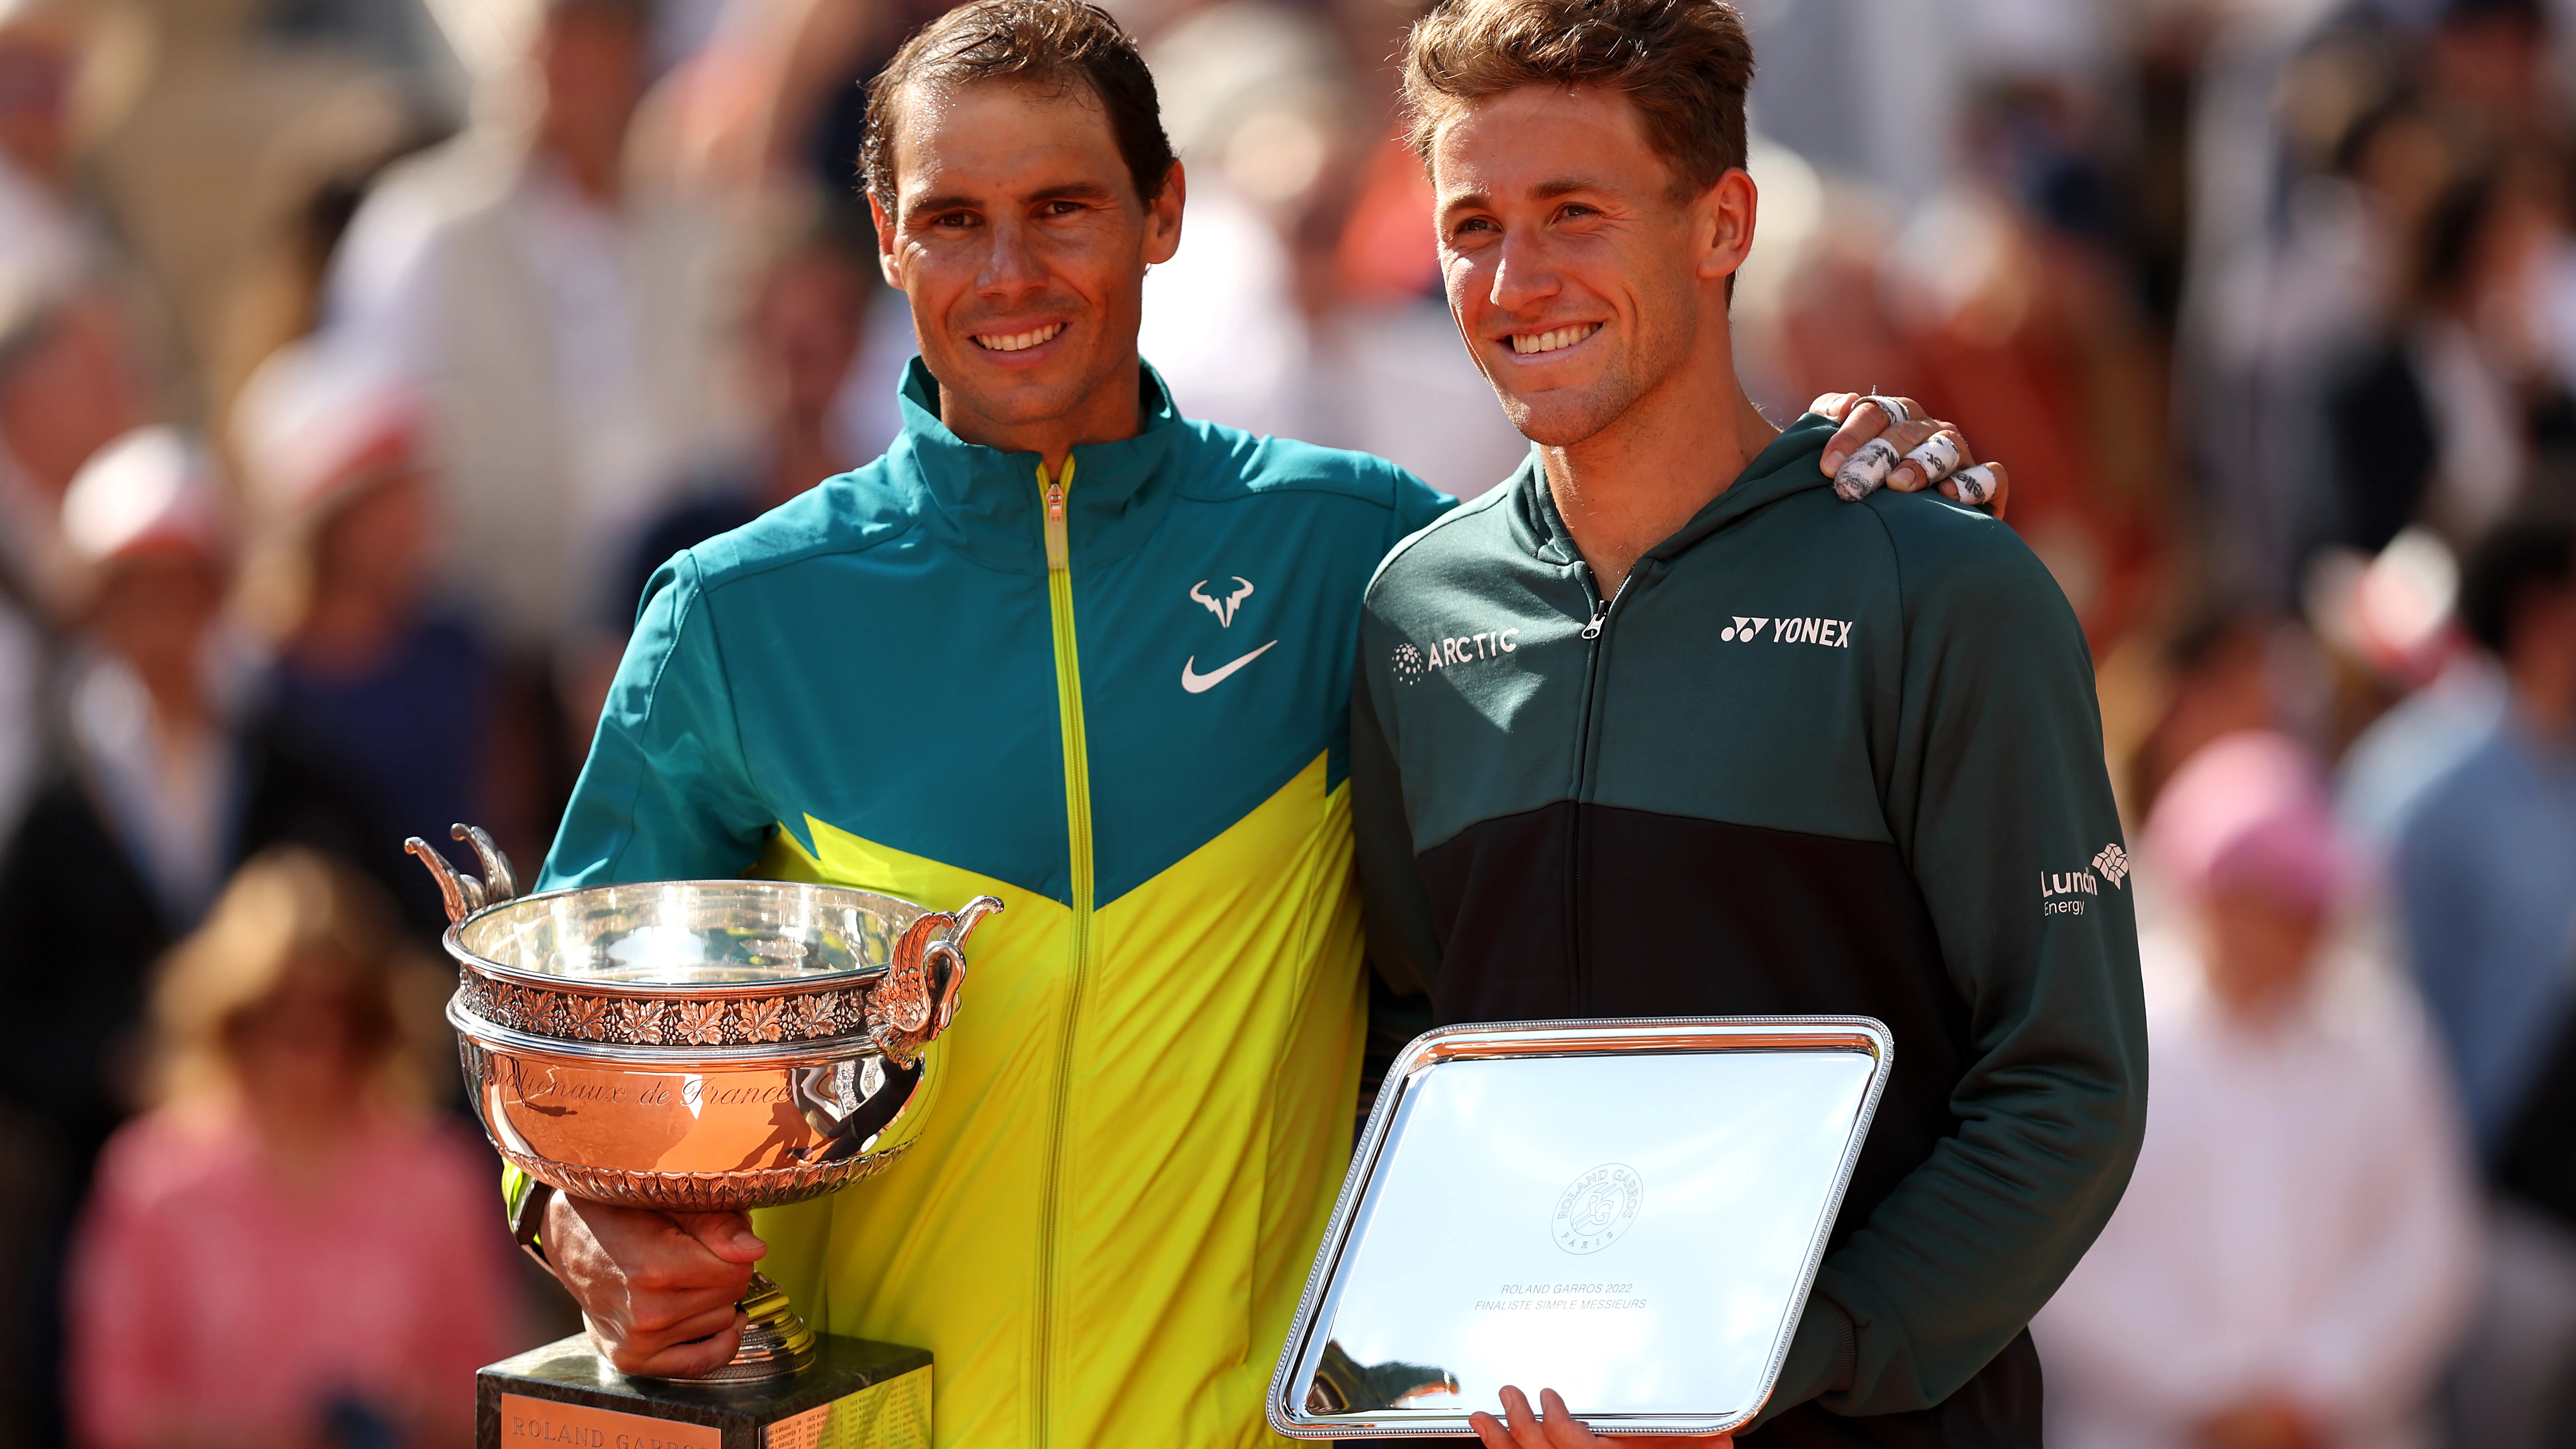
1575 209
953 220
1472 224
1059 208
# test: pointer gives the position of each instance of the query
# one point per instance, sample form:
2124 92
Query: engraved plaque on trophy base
858 1395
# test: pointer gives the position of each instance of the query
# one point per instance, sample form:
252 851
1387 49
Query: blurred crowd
359 360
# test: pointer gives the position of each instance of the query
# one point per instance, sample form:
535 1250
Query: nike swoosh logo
1197 683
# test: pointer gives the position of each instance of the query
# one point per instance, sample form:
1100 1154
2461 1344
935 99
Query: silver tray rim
453 940
1569 1037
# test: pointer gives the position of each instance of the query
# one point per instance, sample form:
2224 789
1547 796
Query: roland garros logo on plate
1598 1208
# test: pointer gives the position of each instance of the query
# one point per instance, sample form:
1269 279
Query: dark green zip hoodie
1811 759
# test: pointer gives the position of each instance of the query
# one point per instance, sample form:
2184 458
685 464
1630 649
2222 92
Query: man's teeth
1018 341
1527 342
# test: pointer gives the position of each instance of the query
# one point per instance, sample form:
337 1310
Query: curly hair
1684 63
1060 46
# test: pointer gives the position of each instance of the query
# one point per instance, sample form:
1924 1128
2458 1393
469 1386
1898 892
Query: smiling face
1581 282
1021 241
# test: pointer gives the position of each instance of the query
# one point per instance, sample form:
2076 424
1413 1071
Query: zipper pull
1059 552
1600 605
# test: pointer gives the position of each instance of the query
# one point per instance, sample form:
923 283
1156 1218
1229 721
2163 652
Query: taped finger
1899 413
1976 485
1936 457
1863 471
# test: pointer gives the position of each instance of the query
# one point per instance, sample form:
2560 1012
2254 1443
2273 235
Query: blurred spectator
164 782
569 325
287 1249
394 689
168 782
39 225
807 320
2435 424
2395 617
2293 1254
802 339
67 388
2483 865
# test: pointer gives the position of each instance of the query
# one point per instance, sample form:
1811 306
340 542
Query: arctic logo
1223 608
1830 633
1410 663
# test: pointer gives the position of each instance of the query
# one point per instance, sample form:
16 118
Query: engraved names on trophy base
858 1395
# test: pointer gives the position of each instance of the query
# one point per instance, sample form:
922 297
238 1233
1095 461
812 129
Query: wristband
526 1212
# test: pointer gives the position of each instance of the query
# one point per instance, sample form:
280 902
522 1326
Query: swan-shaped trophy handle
461 892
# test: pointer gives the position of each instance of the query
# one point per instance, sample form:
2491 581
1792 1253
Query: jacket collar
984 502
1785 467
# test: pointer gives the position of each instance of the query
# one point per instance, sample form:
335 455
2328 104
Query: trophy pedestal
857 1395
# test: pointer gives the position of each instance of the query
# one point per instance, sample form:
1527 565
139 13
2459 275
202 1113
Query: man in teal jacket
1062 646
1660 728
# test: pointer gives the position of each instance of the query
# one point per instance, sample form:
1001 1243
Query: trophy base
855 1394
775 1343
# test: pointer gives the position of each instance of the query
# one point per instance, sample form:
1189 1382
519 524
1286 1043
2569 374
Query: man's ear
886 265
1163 217
1726 213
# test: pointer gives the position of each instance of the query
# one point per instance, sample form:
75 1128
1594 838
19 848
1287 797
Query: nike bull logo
1223 608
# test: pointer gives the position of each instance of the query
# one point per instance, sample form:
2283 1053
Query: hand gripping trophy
700 1046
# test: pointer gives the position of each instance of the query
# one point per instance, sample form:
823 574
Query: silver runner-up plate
1627 1212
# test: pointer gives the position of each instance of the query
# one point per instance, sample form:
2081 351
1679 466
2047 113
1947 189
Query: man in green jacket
1065 647
1661 728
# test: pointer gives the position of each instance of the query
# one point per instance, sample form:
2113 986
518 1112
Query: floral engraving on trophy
702 1022
587 1017
640 1021
760 1019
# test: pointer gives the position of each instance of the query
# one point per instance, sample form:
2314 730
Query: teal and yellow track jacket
1119 701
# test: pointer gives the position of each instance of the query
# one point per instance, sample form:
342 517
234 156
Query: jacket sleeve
1996 790
667 793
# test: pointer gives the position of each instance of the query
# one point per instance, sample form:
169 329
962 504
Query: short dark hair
2526 551
1684 63
1058 45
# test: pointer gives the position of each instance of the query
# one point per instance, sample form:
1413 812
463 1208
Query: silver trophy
700 1046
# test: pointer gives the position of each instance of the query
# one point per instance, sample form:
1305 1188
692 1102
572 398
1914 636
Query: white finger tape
1863 471
1937 456
1898 413
1976 485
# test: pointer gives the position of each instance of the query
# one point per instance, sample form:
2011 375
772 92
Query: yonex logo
1828 633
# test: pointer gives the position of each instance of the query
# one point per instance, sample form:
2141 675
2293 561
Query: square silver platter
1628 1212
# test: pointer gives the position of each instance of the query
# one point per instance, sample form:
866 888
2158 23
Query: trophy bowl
701 1046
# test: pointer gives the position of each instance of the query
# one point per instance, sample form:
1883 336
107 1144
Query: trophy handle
500 883
951 948
461 893
918 997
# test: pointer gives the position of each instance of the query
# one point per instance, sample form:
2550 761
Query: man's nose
1523 272
1011 267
